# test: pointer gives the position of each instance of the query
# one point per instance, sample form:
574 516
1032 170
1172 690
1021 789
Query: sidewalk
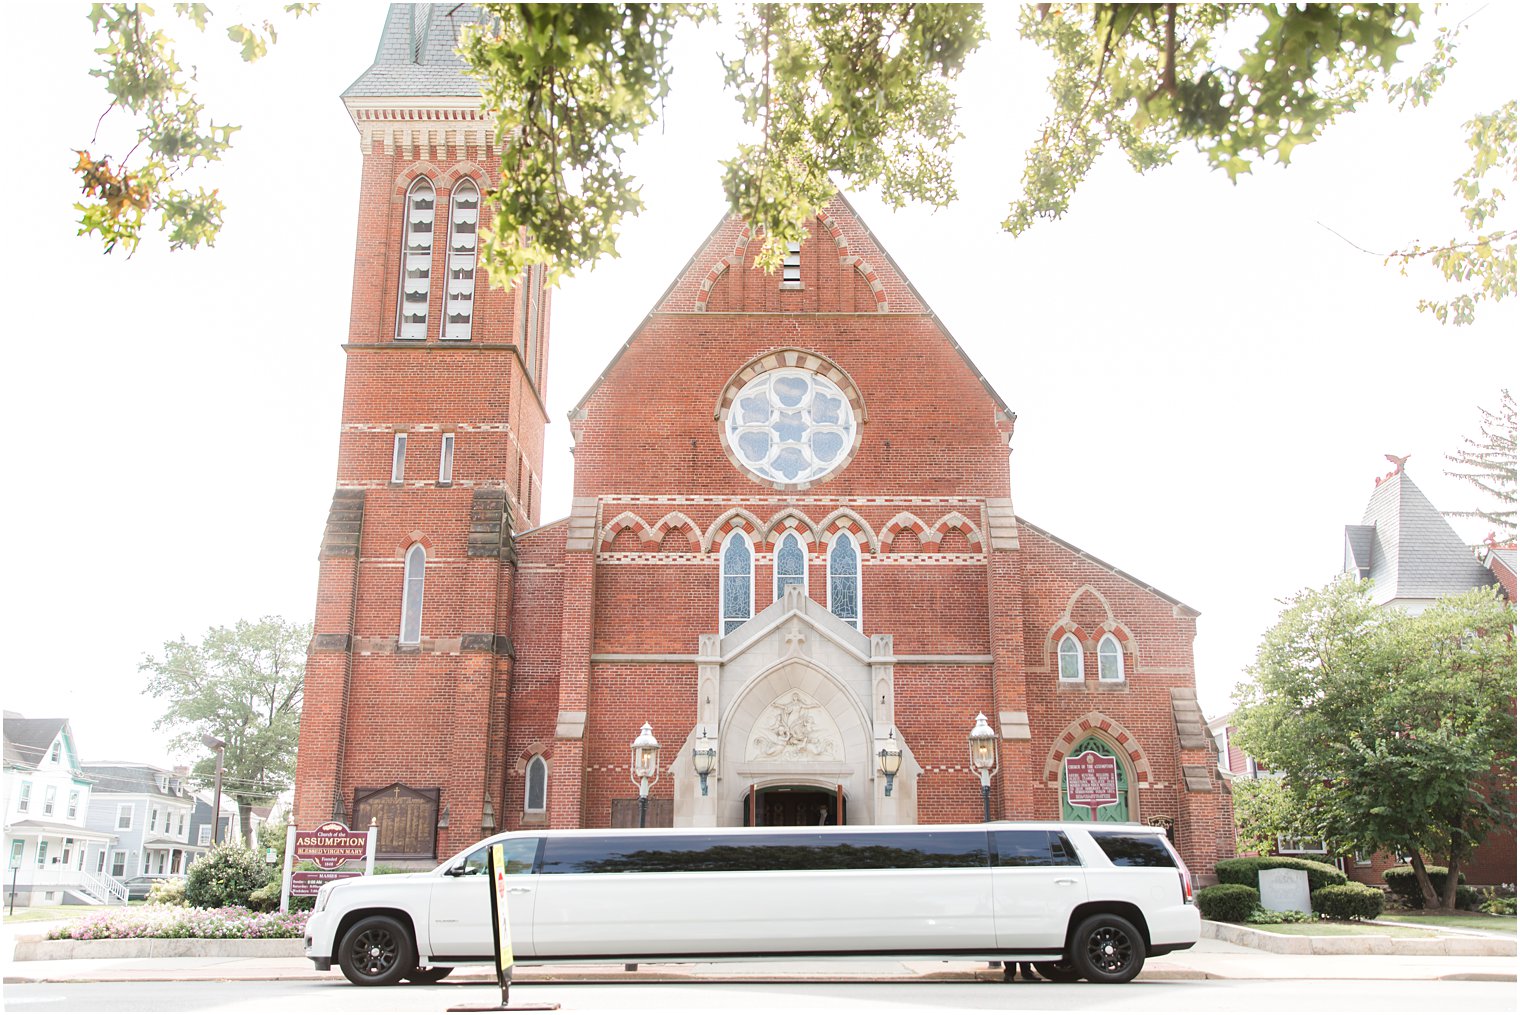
1207 960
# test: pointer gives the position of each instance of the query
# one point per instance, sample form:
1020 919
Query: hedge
226 876
1348 902
1401 882
1242 870
1228 903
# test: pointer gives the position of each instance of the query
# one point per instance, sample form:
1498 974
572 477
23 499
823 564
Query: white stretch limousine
1079 900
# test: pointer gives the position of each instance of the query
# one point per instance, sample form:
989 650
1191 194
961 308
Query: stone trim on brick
849 260
345 523
1187 714
1106 728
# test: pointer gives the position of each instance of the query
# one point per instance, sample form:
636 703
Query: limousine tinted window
519 854
1033 848
865 850
1133 849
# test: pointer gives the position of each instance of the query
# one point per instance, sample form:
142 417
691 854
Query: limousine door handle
518 891
1066 881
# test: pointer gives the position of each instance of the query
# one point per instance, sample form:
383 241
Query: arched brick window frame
780 558
790 520
543 753
413 582
728 521
953 520
676 520
904 521
736 258
847 520
736 580
627 520
849 260
1125 745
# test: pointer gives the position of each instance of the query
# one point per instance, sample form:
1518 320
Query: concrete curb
1354 944
42 950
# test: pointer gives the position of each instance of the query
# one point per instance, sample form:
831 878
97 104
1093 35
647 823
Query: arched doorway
780 806
1113 812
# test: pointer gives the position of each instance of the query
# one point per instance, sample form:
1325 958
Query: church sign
407 818
1092 781
308 883
330 845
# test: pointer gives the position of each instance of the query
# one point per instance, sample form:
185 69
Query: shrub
1402 883
1259 915
1348 902
226 876
1498 906
181 922
1467 898
167 893
1242 870
1227 903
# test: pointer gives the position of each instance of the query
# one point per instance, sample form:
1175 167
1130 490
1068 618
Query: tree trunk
245 822
1422 878
1453 872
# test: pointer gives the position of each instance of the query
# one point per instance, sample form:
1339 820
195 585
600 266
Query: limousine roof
1104 826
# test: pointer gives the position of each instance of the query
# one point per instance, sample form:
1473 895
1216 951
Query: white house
47 803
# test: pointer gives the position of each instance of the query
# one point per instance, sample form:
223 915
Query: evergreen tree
1488 462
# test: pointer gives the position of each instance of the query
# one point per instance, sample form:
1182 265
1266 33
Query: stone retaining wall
1354 944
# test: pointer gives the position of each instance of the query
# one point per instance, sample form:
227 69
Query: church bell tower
440 461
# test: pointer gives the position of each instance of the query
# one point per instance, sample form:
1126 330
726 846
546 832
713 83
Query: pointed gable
1414 551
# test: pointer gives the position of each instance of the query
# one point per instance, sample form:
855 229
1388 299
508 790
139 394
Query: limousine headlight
322 895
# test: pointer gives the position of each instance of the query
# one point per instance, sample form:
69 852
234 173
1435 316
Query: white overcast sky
1206 378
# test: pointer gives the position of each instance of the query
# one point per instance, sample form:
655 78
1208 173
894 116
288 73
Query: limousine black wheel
428 974
377 951
1107 949
1058 972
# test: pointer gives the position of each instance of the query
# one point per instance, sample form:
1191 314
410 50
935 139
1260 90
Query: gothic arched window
791 564
738 578
1070 654
416 260
1110 659
536 784
459 287
411 595
844 579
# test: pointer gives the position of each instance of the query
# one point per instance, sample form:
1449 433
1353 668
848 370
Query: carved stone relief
794 727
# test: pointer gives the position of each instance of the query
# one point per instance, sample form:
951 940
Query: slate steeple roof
416 56
1407 548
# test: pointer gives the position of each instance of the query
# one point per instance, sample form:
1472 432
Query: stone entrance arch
794 697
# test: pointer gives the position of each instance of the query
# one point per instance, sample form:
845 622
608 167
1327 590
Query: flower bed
183 922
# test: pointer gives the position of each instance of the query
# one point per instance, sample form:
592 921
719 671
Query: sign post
1092 781
501 938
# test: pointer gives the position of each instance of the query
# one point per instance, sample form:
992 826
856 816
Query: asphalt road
1301 996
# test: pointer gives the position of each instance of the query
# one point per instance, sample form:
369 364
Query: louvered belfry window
464 220
416 260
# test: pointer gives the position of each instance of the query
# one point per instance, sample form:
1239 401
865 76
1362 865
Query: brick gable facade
559 641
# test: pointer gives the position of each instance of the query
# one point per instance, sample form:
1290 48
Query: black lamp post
220 747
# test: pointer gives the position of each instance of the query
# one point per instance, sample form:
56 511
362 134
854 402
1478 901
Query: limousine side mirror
458 870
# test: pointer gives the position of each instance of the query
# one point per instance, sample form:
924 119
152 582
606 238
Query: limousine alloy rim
1110 949
375 950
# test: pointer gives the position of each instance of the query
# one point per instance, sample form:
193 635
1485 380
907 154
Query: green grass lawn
1459 921
32 914
1329 929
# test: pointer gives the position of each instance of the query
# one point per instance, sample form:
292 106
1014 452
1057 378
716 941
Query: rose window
790 426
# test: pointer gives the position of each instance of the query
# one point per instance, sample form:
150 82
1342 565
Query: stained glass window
791 564
738 581
844 580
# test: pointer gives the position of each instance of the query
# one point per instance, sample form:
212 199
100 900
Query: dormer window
416 261
464 221
57 751
791 267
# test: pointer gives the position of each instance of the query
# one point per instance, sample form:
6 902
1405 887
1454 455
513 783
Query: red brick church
792 542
